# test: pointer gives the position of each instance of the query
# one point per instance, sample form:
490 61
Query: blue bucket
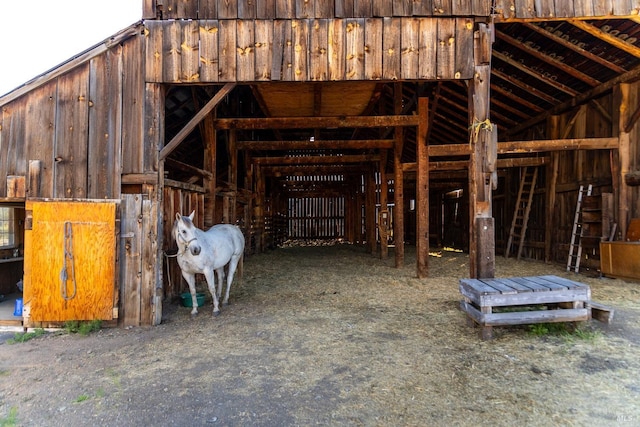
17 310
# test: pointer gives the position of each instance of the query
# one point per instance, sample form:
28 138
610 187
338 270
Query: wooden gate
69 262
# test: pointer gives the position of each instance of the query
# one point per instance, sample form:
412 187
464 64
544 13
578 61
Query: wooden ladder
522 210
575 248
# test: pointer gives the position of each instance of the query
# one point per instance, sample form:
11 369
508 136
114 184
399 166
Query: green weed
81 398
26 336
11 419
82 328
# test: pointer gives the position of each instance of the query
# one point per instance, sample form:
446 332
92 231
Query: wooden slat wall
316 218
309 49
74 124
563 8
303 9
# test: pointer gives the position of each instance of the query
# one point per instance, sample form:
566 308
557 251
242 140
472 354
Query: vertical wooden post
210 141
482 162
370 209
233 175
398 182
35 173
551 181
622 96
422 190
383 217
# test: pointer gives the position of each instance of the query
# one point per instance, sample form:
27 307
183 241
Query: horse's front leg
209 275
191 281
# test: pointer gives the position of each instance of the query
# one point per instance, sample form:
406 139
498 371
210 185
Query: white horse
206 252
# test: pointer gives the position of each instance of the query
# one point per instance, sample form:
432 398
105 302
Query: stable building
477 125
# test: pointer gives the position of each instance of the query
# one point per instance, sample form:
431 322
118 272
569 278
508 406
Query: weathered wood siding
86 125
303 9
213 50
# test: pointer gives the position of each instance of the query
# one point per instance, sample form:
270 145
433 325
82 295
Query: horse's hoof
216 313
225 303
194 315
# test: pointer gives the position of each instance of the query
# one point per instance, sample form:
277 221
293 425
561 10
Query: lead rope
68 257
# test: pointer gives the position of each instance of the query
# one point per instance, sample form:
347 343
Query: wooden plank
285 9
477 287
362 8
402 7
601 312
547 283
373 54
300 36
318 50
446 49
209 50
150 301
171 61
354 34
72 134
153 50
40 133
344 9
336 49
391 48
227 51
515 285
428 42
382 8
207 9
105 116
305 9
263 49
133 91
245 48
410 43
279 45
442 7
570 284
189 51
266 9
228 9
421 8
464 48
501 286
536 287
130 259
247 9
541 316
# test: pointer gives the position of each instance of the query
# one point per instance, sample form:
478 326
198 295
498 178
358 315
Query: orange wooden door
70 256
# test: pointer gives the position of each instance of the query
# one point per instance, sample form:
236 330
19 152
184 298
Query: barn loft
466 124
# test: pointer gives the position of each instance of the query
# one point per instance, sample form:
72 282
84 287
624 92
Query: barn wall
309 49
85 126
289 9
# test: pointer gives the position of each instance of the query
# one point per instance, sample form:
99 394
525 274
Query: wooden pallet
526 300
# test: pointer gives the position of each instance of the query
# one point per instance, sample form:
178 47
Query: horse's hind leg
220 274
191 281
209 275
233 264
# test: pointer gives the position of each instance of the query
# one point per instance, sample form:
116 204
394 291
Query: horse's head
185 234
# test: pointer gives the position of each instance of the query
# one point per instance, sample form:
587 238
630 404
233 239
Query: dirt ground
334 336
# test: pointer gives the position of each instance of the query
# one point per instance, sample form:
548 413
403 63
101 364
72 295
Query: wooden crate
620 259
485 298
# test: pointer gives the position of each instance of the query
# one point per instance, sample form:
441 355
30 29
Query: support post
482 162
398 182
383 217
422 190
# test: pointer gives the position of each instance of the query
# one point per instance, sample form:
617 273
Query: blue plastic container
17 309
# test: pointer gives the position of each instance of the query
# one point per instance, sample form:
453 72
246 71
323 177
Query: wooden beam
579 99
531 52
455 165
606 37
572 46
311 170
422 190
191 125
317 122
346 144
188 168
316 160
535 74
